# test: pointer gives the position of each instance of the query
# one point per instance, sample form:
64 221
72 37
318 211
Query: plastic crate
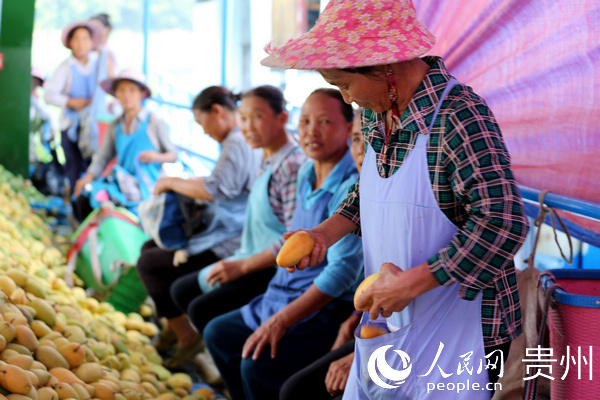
574 326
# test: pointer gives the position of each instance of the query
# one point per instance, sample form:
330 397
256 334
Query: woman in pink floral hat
437 206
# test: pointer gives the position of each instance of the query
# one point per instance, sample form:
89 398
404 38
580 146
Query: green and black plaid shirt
469 168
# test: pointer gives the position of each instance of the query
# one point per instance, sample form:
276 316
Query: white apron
402 223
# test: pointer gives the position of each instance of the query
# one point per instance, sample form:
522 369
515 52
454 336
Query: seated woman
327 376
256 348
140 141
227 187
270 208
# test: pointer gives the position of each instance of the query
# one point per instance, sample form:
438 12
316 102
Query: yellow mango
130 375
19 296
42 375
19 348
150 388
103 391
14 379
26 337
149 329
7 330
168 396
180 380
15 318
47 393
296 247
44 311
89 372
65 391
7 285
18 276
205 392
64 375
74 353
50 357
35 289
81 391
40 328
368 281
370 331
22 361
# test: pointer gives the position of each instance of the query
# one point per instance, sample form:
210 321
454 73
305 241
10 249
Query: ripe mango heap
57 343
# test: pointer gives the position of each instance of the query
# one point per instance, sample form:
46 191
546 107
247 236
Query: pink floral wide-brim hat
109 85
93 26
39 73
356 33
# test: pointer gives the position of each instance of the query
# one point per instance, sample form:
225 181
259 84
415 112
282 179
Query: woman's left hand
225 271
392 292
148 156
268 333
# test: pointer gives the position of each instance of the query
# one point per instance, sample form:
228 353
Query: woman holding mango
437 205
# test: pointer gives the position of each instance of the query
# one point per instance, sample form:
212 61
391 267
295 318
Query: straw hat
109 85
95 28
356 33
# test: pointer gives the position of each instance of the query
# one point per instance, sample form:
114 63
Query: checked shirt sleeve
477 164
350 206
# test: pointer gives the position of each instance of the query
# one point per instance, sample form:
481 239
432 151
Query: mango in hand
297 246
364 285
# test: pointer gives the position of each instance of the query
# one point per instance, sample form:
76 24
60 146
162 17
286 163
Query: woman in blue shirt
257 347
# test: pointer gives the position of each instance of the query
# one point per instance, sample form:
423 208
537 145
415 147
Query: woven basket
574 321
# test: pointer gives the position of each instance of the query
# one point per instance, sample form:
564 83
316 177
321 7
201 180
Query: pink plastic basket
574 326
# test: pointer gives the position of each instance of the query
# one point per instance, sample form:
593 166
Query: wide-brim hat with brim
38 73
110 85
95 27
356 33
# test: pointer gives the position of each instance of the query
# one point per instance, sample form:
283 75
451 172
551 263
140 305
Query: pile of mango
56 342
20 185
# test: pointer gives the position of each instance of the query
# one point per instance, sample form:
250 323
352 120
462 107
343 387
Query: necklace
393 94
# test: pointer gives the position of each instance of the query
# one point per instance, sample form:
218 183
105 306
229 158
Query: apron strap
449 86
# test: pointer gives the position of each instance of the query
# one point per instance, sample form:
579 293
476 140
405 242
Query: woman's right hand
80 184
318 253
77 103
338 374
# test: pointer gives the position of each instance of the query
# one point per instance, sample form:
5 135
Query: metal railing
572 205
576 206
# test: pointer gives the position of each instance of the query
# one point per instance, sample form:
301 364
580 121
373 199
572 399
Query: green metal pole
16 29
